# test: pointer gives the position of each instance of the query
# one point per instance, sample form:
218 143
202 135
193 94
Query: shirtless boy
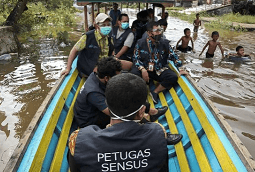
196 23
212 46
185 42
240 51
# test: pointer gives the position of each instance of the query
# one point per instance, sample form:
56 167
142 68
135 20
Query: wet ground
24 83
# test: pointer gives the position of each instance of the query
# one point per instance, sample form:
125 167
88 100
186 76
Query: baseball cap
102 17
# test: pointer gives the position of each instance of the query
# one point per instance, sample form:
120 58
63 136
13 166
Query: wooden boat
209 144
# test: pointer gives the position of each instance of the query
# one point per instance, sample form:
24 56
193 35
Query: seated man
123 39
163 24
124 145
151 60
92 46
90 107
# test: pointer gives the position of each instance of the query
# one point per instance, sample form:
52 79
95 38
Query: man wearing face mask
151 57
90 107
123 39
124 145
92 46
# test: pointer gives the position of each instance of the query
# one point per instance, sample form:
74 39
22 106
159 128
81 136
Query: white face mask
123 117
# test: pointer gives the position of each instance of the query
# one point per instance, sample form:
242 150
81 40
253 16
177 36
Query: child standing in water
185 42
196 23
212 46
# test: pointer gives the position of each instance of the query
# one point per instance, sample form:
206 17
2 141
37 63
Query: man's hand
65 72
145 75
184 72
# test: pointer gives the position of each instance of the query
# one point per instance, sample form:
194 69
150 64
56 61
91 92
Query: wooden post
92 10
153 11
147 6
139 7
85 18
98 7
163 12
105 9
121 6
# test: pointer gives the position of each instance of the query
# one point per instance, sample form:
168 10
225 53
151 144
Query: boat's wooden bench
199 138
52 151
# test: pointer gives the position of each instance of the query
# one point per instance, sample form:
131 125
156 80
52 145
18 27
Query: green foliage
238 18
183 16
175 8
42 20
224 22
133 5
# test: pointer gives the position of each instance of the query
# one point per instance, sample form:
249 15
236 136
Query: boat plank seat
217 146
62 146
54 147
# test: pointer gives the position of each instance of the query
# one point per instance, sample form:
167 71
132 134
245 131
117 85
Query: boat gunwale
19 152
239 147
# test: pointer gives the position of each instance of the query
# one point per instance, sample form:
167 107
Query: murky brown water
25 83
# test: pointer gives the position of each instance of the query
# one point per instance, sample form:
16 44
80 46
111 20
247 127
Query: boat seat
51 154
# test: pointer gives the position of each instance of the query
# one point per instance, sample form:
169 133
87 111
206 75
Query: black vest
126 146
84 112
119 43
88 57
145 53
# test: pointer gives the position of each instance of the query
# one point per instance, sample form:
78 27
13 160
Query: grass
238 18
224 22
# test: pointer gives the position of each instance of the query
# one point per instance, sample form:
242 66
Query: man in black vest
123 39
90 107
125 145
151 60
92 46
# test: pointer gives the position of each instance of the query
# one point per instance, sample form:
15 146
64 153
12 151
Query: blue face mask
105 30
124 25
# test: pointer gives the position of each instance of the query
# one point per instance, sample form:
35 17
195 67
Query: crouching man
126 144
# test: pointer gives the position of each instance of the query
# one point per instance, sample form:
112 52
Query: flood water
24 83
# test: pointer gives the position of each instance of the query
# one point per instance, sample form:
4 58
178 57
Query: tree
16 13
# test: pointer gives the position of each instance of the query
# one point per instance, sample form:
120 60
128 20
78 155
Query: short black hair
215 33
151 24
150 11
125 93
108 66
238 48
197 14
186 29
162 22
121 15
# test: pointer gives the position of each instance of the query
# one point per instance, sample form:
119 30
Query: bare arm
221 49
106 111
123 50
199 22
71 58
192 44
178 42
204 48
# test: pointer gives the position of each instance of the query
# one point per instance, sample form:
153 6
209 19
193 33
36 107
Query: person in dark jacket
90 107
92 46
151 60
123 39
125 145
